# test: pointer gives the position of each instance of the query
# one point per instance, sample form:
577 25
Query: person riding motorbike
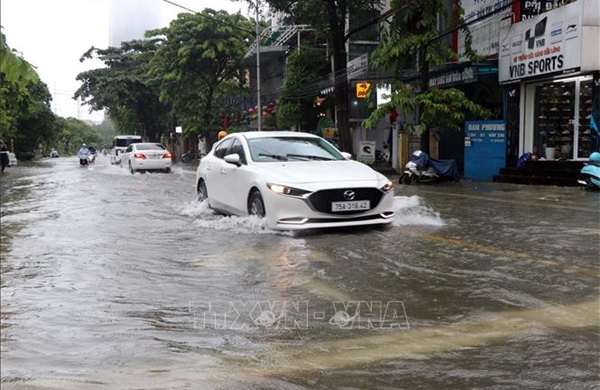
83 155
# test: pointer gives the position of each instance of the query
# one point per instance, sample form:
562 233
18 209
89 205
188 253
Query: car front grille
321 200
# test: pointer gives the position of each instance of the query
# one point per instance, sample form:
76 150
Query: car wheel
256 205
131 168
202 192
167 170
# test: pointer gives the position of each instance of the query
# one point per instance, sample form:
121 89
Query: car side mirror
233 159
347 155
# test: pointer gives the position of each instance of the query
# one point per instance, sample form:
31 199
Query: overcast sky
53 34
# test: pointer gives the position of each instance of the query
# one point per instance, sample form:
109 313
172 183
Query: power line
339 76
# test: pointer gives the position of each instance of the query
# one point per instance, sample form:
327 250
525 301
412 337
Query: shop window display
562 122
554 114
587 139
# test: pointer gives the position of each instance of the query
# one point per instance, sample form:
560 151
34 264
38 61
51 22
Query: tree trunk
337 10
341 102
207 115
423 86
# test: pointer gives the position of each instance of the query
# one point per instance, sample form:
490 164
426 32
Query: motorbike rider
4 156
83 154
92 156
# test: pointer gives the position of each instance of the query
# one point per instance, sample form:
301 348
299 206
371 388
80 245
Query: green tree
295 107
73 133
198 59
15 74
35 123
123 88
107 131
13 66
329 18
415 42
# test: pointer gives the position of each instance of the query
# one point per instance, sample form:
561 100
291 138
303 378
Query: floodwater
118 281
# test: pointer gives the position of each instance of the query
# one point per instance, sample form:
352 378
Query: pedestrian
4 157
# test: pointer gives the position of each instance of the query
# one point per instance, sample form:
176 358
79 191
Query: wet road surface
118 281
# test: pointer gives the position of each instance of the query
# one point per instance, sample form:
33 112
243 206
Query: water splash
410 210
207 218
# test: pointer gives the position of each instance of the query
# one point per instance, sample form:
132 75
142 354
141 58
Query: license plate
350 205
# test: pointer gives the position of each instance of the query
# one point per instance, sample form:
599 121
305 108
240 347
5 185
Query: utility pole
258 105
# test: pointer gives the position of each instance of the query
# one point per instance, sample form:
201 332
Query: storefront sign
366 152
487 20
362 90
357 66
466 75
485 149
545 45
532 8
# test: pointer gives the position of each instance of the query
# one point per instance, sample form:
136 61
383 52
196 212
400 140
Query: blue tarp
446 168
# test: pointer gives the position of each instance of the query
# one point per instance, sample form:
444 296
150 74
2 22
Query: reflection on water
112 280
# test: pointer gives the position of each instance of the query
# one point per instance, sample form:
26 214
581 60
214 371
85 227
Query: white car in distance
294 180
146 156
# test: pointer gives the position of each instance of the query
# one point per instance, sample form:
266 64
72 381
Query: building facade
549 64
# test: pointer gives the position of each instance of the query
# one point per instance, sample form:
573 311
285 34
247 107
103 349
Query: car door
126 156
235 180
214 185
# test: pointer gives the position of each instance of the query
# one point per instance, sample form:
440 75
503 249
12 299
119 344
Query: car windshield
149 147
269 149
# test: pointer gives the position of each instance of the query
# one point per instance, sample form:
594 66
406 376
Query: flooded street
118 281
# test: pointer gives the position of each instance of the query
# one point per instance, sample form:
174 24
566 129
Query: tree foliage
35 123
294 108
13 66
328 17
16 75
73 132
124 89
106 130
25 114
412 47
197 64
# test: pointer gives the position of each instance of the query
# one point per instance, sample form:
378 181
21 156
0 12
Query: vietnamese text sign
485 149
486 20
547 44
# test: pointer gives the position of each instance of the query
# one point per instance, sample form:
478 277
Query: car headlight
388 186
285 190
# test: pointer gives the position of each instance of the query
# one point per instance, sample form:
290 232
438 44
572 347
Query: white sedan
295 180
146 156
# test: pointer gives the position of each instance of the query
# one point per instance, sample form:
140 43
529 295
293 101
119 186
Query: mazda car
294 180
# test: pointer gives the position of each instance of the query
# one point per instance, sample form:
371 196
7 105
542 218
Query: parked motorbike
423 169
589 176
187 157
383 156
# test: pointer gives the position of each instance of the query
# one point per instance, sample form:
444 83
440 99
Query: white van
120 143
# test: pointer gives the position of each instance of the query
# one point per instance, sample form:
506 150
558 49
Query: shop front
550 64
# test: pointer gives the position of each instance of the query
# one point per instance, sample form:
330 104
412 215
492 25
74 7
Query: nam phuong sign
545 45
